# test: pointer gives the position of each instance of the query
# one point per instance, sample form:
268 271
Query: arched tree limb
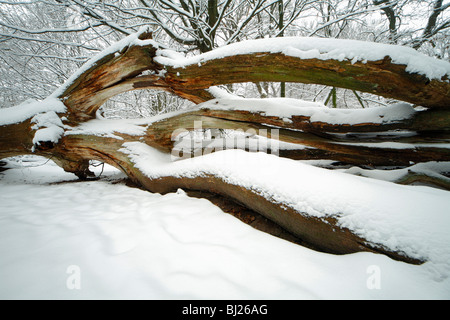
137 64
383 77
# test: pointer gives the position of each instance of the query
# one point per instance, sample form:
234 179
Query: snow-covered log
63 126
390 71
137 62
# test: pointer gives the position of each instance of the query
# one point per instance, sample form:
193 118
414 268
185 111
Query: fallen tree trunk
63 127
382 77
137 62
321 233
79 145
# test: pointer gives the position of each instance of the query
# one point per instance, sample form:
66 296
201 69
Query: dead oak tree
57 127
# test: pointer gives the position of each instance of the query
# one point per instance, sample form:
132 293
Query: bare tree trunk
389 11
281 34
431 28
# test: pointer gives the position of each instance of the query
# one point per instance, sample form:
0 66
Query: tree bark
382 78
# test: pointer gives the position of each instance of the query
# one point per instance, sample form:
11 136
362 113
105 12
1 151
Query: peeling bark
382 78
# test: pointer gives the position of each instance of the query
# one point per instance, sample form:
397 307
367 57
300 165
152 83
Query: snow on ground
63 239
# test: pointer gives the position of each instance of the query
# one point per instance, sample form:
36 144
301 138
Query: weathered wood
363 152
16 139
429 120
130 68
123 71
421 178
382 78
93 87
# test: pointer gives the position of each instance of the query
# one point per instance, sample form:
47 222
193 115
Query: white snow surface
29 109
318 112
48 126
428 168
107 127
129 243
319 48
